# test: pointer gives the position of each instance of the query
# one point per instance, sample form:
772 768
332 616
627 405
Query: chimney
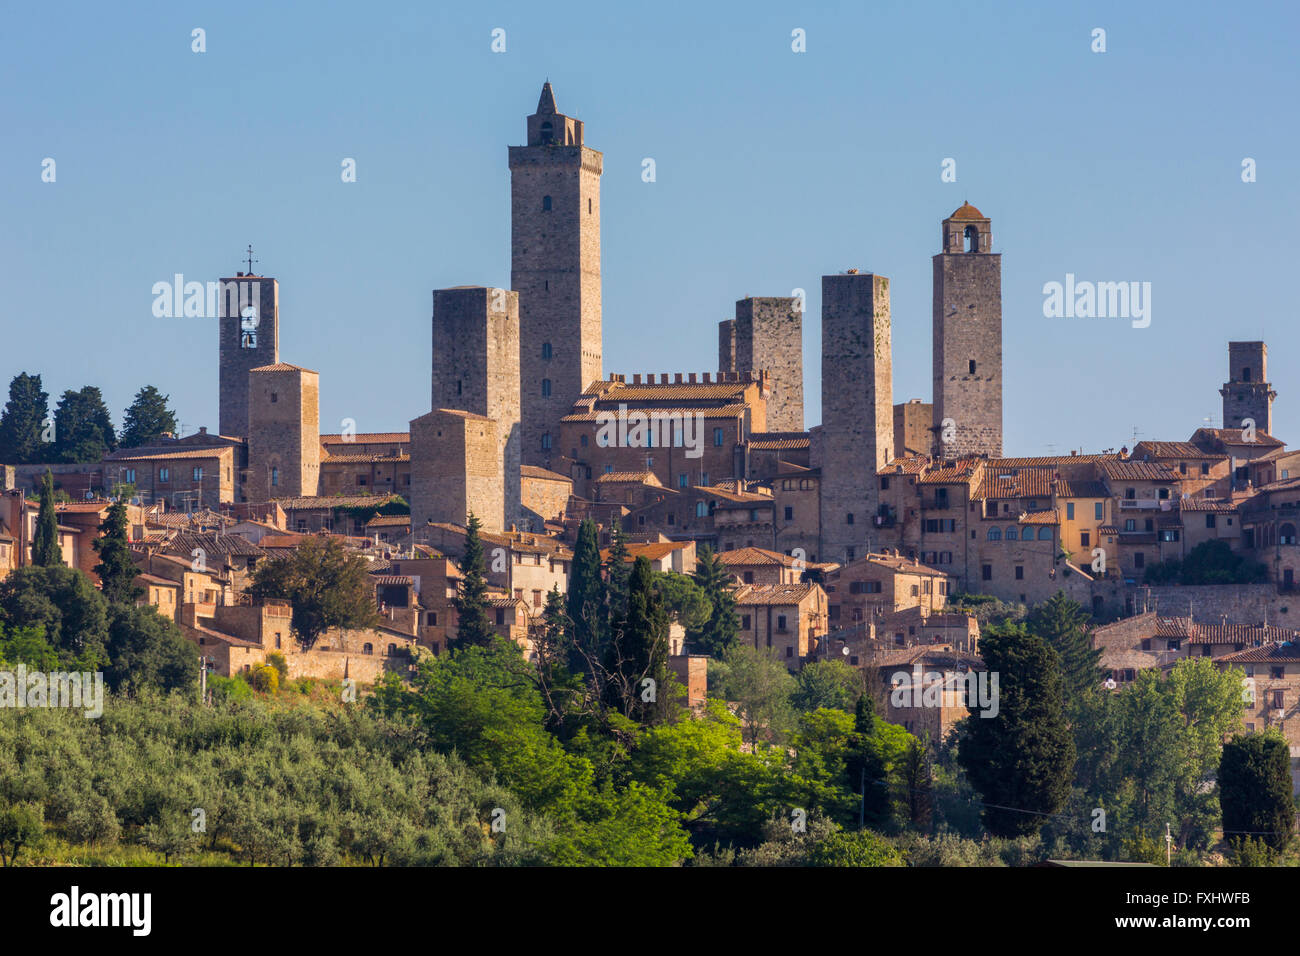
708 378
203 429
690 378
636 378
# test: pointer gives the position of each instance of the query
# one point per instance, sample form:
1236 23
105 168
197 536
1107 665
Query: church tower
1247 392
555 268
967 309
249 325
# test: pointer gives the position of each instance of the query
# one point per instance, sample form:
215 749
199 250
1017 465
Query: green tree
45 542
830 683
147 418
83 430
637 651
1255 791
326 586
716 635
761 687
117 572
21 825
473 626
23 421
1063 623
1021 760
684 600
618 574
861 848
585 603
64 603
146 649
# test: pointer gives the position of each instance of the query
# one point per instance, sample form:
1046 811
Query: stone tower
857 428
283 432
767 335
1247 392
456 470
249 326
476 360
968 338
555 268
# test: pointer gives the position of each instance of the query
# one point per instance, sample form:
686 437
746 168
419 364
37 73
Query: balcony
1144 504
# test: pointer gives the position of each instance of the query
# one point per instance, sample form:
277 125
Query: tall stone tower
476 359
249 328
967 338
1247 392
555 268
857 427
767 335
283 432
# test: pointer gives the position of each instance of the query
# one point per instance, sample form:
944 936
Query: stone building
767 336
555 269
284 447
857 410
456 470
249 329
1247 393
912 423
787 620
967 309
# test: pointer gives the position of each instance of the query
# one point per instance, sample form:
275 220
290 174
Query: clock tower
248 321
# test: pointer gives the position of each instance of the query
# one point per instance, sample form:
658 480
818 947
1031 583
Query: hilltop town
873 538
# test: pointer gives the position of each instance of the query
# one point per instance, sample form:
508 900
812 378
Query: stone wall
236 361
768 336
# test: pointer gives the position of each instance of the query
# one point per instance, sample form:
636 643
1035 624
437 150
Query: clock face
248 318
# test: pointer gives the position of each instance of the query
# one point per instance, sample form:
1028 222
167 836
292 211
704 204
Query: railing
1135 504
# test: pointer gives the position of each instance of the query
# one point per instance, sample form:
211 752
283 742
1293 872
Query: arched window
368 649
1044 534
548 137
1012 534
392 650
1286 534
995 534
275 477
972 239
546 386
546 204
546 351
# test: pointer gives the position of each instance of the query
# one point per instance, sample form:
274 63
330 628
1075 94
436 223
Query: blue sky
773 168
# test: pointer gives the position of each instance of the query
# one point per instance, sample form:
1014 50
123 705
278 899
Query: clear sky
773 169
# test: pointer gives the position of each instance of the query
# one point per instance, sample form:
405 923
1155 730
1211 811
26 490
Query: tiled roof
778 441
699 391
1049 461
1171 449
651 551
1269 654
368 438
389 521
1039 517
362 459
638 477
532 471
967 211
1138 471
948 474
1215 505
1081 489
1108 529
761 556
1232 436
185 542
904 466
1022 483
282 367
750 595
271 541
181 519
397 580
314 502
708 411
1197 633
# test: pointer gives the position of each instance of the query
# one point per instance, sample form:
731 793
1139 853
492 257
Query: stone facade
284 447
857 410
1247 393
476 364
912 422
555 268
726 345
247 341
967 308
456 470
767 336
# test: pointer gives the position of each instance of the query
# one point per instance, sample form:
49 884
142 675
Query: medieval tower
283 432
555 268
767 335
857 410
1247 393
249 329
967 308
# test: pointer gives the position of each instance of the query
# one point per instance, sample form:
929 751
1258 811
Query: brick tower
857 410
555 268
1247 392
968 338
767 335
249 329
283 432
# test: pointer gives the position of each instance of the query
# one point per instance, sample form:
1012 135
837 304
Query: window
1139 560
744 621
164 474
537 598
1164 494
302 525
1012 534
546 387
1209 521
972 366
850 553
789 651
197 474
780 622
432 619
589 210
275 477
1096 510
501 616
1150 525
986 572
701 509
717 438
995 534
1085 539
704 479
1069 511
1205 468
129 476
848 519
274 398
392 650
1020 572
1044 534
277 638
683 480
546 442
546 204
1130 524
1130 493
884 483
1286 534
546 351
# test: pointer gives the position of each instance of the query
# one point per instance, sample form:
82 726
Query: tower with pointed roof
555 269
967 310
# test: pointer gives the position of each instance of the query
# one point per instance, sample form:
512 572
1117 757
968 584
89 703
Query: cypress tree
1063 623
618 572
638 650
718 634
1023 757
45 543
116 570
147 418
473 626
866 767
585 602
23 421
1255 790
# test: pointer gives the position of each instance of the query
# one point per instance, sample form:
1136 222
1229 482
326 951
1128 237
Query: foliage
1255 793
1063 623
716 635
116 569
827 684
147 418
45 541
473 625
760 686
1210 562
83 430
23 421
327 587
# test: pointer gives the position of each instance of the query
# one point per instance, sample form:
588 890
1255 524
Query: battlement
690 378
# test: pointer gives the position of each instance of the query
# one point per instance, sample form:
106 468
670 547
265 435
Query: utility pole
203 680
1169 846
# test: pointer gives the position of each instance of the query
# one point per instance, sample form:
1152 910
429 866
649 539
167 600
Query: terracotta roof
1081 489
651 551
389 521
184 542
1039 517
961 471
181 519
360 459
1020 483
1272 653
1171 449
750 595
224 638
155 580
967 211
79 507
643 392
188 453
707 411
1048 461
778 441
1216 505
532 471
282 367
761 556
393 579
506 602
635 477
316 502
1197 633
1138 471
276 541
904 466
1232 436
